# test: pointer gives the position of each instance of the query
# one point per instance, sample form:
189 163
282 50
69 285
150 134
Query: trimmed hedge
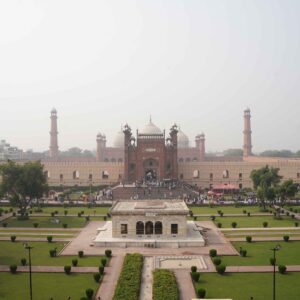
129 282
164 285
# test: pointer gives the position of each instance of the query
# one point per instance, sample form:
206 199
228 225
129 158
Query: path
263 239
51 269
185 284
36 239
147 278
112 273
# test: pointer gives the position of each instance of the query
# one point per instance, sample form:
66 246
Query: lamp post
276 248
27 247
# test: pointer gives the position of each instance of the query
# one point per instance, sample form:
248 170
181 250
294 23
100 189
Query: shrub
108 253
4 224
165 285
272 261
13 238
287 213
243 253
23 261
282 269
14 214
67 270
49 238
213 253
201 293
265 224
193 269
248 238
65 225
11 209
101 270
217 261
56 212
286 238
65 212
248 214
13 269
195 218
195 276
103 262
219 225
74 262
79 214
191 213
129 282
221 269
212 218
296 224
97 277
221 214
105 218
89 293
234 224
52 252
80 253
293 216
35 225
52 214
87 218
244 211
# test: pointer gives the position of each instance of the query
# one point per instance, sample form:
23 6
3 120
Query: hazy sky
104 63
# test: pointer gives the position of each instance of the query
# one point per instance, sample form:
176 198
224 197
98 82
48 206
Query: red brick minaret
53 150
247 148
200 144
101 144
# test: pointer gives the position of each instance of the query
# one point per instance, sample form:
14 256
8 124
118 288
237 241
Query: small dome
182 139
119 140
150 128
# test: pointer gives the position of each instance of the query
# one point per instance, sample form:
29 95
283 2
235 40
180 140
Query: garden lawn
225 209
46 286
11 253
259 253
74 210
247 222
241 286
46 222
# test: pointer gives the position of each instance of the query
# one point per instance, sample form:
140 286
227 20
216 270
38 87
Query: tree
286 190
23 183
265 181
233 152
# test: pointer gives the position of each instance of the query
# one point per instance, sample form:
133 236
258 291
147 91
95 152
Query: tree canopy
23 182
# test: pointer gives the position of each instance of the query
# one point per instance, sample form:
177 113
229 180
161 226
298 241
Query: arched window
158 227
187 159
113 160
120 160
149 228
139 228
47 174
76 175
195 159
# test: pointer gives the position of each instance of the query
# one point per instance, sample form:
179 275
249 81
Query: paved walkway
147 278
5 216
259 269
185 284
259 228
51 269
233 215
262 239
112 273
36 239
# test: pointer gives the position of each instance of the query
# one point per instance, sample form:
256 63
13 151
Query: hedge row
128 286
164 285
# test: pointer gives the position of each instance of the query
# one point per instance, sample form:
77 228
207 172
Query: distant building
9 152
152 155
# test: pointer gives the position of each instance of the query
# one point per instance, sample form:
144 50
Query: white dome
119 140
150 128
182 139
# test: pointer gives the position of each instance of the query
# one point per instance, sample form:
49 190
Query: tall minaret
53 150
101 144
200 144
247 148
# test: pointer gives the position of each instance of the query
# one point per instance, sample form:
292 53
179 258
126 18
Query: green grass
45 286
259 253
37 230
247 222
46 222
11 253
241 286
74 210
224 209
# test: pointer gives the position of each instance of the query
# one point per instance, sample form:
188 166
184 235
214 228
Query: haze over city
196 63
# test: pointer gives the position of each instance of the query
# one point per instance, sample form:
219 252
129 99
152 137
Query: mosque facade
153 154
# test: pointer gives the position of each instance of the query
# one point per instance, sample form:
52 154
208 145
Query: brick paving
185 285
112 273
